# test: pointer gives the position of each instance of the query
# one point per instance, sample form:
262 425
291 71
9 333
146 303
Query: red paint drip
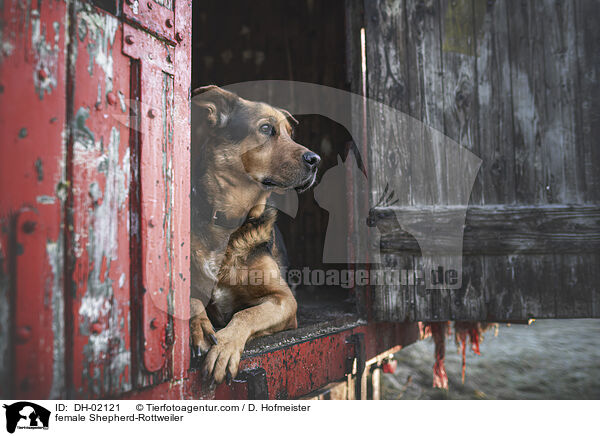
463 330
473 330
438 331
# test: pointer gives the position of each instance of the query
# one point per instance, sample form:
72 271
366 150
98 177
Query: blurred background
550 359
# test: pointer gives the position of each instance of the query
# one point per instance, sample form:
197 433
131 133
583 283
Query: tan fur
233 182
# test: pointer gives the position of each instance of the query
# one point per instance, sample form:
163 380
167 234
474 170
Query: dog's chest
221 300
222 305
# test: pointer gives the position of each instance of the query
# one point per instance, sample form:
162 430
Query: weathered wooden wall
94 266
516 83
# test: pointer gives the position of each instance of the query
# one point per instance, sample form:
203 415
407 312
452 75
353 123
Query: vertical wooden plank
493 133
459 26
563 170
460 23
525 45
163 120
471 301
542 45
32 120
426 96
5 325
180 298
388 82
153 170
494 105
404 68
592 272
525 50
587 16
99 213
157 212
575 294
548 268
427 104
505 301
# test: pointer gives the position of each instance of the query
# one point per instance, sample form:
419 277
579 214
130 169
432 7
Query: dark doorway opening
236 41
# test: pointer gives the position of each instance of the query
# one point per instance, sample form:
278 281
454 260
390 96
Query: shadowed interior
305 42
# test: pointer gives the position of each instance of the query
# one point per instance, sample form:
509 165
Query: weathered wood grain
389 82
99 330
587 17
34 40
460 23
517 84
525 45
501 230
494 112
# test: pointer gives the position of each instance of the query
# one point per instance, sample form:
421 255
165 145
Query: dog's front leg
273 308
201 329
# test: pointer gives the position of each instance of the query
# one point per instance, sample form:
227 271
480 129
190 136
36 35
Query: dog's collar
219 219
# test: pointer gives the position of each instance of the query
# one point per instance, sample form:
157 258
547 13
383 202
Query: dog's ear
217 103
289 116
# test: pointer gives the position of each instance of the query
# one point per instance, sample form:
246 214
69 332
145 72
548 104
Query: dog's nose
311 159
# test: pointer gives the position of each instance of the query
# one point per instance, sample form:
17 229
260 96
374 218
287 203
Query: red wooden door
32 183
94 172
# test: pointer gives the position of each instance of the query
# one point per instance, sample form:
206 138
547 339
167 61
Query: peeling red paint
295 370
32 41
153 17
99 174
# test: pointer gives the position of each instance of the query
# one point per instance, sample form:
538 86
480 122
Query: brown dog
242 151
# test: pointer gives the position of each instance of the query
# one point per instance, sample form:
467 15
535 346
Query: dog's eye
267 129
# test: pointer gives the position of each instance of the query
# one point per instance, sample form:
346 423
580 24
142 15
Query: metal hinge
256 383
356 361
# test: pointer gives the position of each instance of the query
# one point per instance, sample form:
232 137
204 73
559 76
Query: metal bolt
111 98
179 37
169 23
150 5
29 226
152 114
23 334
129 39
96 328
42 74
153 324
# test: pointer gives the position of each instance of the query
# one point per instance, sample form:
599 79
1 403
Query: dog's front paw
223 359
203 334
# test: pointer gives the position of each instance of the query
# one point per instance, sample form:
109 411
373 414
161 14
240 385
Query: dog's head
249 141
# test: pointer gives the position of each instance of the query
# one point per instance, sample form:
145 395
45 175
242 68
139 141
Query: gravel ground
551 359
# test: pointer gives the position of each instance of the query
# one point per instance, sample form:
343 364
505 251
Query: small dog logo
26 415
